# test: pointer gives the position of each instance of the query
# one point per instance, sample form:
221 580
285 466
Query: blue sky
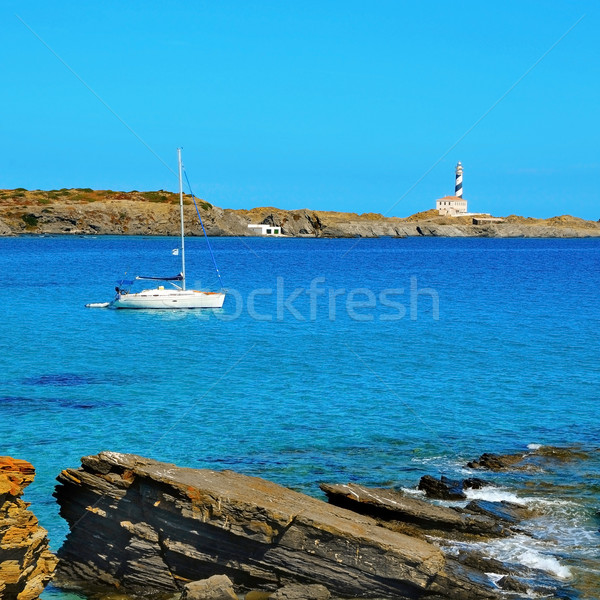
352 106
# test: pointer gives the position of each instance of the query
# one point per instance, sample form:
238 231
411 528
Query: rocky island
107 212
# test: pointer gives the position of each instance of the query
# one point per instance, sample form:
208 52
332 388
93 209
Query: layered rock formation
142 525
104 212
26 564
390 505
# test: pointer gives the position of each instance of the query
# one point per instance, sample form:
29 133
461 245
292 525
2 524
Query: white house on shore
262 229
451 206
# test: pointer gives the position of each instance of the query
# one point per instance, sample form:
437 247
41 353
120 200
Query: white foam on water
568 525
559 527
413 492
495 577
494 494
534 446
499 494
535 560
550 502
527 551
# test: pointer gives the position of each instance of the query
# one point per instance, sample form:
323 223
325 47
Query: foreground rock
217 587
142 525
26 564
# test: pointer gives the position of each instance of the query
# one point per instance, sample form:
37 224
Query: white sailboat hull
169 299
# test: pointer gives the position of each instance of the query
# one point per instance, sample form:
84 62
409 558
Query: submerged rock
496 462
143 525
301 592
512 584
550 456
26 563
540 458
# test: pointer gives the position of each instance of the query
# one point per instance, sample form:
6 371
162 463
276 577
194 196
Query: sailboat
177 296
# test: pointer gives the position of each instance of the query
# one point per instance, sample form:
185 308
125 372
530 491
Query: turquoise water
492 345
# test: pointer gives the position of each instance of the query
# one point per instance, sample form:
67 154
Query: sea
374 361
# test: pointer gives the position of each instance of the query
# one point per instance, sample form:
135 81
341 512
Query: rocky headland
26 563
106 212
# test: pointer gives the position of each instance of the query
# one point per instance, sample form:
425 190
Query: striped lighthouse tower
458 184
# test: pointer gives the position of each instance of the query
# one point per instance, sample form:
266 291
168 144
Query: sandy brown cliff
26 564
104 212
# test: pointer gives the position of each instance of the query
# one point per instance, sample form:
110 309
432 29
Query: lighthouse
453 206
458 184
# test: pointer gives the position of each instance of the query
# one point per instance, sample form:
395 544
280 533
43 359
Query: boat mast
181 213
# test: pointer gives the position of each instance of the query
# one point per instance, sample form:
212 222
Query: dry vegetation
561 221
31 198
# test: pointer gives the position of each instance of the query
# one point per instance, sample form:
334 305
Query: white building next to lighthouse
453 206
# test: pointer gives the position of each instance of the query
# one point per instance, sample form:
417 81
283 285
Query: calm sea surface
375 361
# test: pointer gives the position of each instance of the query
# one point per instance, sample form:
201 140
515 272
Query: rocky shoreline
144 527
104 212
26 563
